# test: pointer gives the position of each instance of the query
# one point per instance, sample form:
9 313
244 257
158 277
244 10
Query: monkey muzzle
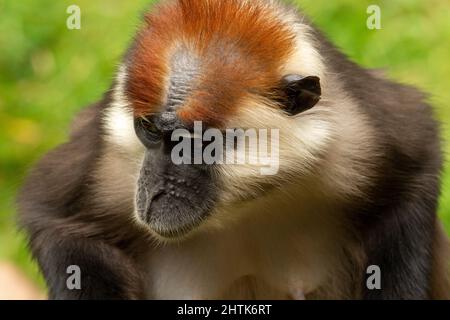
173 199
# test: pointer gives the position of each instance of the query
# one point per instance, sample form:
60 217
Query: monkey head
225 65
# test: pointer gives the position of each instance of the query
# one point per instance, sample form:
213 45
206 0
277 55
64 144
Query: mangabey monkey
358 181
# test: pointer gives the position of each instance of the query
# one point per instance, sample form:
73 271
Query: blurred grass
48 73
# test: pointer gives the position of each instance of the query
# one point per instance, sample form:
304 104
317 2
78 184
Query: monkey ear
302 93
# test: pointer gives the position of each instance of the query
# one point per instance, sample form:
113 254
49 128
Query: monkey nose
168 121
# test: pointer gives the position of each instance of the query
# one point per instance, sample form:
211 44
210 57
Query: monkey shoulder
62 175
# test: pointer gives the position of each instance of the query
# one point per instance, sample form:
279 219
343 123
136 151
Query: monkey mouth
169 214
173 200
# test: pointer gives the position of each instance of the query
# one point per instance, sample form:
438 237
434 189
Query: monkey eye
149 125
147 131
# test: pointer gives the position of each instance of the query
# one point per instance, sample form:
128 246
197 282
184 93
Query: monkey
357 185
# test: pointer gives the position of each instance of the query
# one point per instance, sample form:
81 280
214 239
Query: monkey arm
397 222
400 242
105 272
58 213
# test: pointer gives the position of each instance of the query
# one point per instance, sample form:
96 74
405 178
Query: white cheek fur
301 142
118 120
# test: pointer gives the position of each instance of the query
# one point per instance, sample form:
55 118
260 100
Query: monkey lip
170 217
174 234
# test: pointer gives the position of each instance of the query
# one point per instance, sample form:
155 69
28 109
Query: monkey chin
170 235
167 226
174 236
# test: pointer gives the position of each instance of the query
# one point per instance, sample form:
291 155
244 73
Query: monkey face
228 74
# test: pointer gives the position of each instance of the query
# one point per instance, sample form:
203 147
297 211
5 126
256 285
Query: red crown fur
241 46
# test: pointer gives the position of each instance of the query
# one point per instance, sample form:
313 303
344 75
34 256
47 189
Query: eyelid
146 119
147 136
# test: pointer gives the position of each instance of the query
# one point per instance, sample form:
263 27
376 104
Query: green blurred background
48 73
